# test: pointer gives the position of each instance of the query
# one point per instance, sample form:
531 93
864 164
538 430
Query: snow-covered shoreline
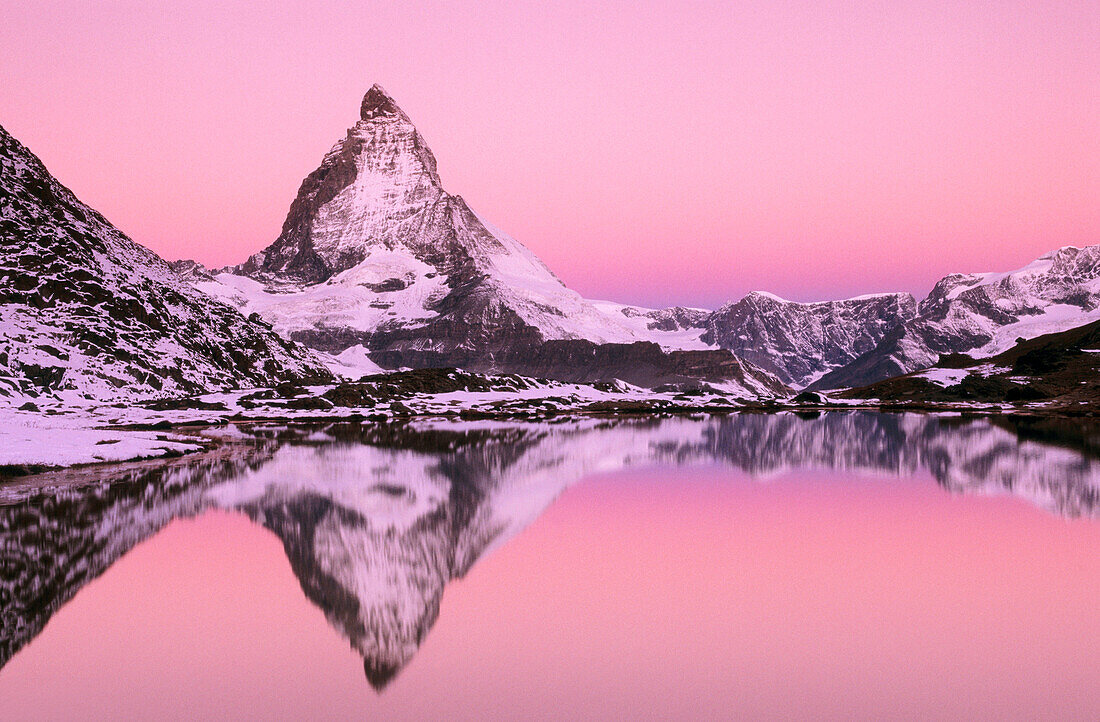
31 442
59 435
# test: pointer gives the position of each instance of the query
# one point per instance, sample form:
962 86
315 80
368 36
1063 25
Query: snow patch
28 439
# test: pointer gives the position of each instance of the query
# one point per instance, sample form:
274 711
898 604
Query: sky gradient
648 152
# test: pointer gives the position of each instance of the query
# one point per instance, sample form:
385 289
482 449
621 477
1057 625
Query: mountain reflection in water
376 520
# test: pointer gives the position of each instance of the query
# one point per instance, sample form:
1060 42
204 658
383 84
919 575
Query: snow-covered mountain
376 257
984 314
87 314
800 342
374 216
1060 371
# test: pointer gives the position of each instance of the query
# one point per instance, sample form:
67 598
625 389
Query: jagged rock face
800 342
375 253
376 187
673 319
374 216
191 270
1061 370
88 313
984 314
676 318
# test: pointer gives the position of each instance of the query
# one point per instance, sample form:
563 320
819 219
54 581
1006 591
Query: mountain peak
377 102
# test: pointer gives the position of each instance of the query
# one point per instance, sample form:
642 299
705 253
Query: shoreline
29 440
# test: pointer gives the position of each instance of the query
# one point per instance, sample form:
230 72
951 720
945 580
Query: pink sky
648 152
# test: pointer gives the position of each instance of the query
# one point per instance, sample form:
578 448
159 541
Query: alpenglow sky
652 153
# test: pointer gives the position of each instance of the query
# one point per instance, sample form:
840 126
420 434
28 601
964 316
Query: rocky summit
86 314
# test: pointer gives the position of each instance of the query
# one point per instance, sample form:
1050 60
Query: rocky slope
376 257
89 315
1059 370
800 342
984 314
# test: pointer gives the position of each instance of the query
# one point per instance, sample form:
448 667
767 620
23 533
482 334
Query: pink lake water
653 590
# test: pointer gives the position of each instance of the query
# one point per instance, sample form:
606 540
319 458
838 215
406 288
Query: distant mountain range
984 314
1061 369
378 267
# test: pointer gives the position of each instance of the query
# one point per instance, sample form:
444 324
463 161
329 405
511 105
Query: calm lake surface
834 566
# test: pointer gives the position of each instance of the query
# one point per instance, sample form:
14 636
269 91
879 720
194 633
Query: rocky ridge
1059 371
801 342
984 314
87 314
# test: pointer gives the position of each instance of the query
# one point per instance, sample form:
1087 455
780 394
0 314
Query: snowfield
32 440
358 298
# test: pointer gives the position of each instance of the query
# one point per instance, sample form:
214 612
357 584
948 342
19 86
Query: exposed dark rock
964 312
115 320
312 403
801 341
1061 368
641 363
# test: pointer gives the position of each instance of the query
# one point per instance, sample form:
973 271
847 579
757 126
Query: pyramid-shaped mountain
86 314
376 258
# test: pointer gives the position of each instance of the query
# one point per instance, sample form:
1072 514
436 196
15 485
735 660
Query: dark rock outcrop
799 342
1061 369
984 314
